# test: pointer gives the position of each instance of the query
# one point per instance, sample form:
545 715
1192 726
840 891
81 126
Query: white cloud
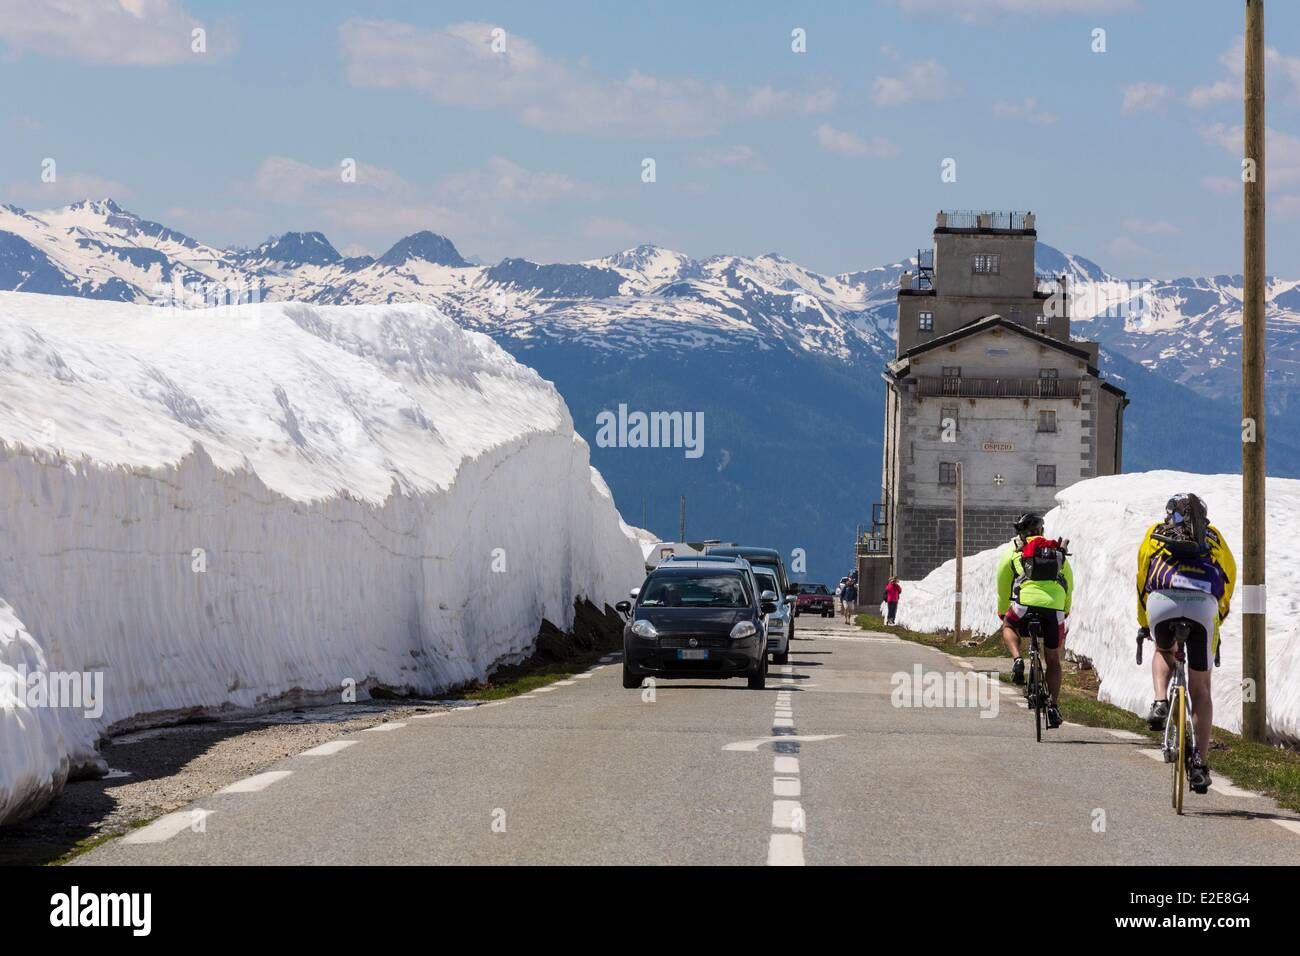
503 181
110 32
976 10
848 144
1125 248
926 80
1142 97
1281 152
1282 72
477 205
1027 108
738 155
458 66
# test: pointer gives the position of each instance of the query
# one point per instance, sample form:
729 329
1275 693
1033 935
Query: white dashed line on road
333 747
785 849
785 786
256 782
166 827
785 765
1292 825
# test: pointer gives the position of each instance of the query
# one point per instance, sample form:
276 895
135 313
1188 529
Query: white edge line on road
1292 825
1125 735
583 676
256 782
329 749
1229 789
544 690
391 725
564 683
166 827
785 849
1153 754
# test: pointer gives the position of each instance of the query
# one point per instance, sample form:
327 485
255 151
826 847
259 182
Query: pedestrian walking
849 601
893 591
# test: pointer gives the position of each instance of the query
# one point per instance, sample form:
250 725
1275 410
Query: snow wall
234 508
1105 518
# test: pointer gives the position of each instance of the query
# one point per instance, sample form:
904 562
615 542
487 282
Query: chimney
941 220
905 281
1029 220
984 220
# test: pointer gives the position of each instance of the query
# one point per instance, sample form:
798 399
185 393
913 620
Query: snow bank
228 508
1104 518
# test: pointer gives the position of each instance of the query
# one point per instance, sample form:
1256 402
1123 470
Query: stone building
985 374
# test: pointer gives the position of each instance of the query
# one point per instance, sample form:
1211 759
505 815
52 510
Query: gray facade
985 374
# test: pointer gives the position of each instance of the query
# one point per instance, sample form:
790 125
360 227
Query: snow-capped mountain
763 346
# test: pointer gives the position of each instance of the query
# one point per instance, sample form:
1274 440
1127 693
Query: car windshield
696 589
768 568
812 589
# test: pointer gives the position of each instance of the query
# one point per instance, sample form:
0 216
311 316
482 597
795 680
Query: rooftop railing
963 387
985 219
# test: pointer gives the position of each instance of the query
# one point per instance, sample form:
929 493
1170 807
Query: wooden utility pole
1254 704
956 604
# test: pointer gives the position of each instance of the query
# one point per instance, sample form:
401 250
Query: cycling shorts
1201 610
1051 629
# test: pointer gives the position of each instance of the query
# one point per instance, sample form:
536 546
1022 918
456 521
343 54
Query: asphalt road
820 768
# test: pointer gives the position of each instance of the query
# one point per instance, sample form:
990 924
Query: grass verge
1267 769
989 647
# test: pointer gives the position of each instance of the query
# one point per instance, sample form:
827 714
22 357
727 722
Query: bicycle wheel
1179 708
1036 667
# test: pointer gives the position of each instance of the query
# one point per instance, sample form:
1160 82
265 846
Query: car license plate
692 655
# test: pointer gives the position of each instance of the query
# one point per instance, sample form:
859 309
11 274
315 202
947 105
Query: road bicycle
1179 742
1037 692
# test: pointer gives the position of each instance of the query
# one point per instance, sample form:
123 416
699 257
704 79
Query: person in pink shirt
893 590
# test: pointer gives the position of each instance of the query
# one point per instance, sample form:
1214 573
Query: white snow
1104 518
225 508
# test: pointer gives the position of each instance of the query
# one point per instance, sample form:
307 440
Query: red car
815 599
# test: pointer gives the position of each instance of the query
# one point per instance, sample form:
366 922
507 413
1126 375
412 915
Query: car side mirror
792 600
634 593
792 589
767 607
623 607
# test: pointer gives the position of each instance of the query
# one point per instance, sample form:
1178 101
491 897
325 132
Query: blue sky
831 157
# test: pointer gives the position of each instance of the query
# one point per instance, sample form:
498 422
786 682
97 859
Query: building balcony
964 387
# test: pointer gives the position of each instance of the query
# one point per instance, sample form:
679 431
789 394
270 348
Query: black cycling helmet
1028 522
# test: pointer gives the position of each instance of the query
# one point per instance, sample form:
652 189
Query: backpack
1043 559
1186 540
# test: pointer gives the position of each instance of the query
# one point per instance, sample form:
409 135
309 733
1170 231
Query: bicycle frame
1037 679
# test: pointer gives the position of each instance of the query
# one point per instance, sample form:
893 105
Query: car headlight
645 629
743 630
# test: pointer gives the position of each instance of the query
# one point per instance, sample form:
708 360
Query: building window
1047 420
947 473
1047 382
1042 321
948 413
950 384
986 264
1046 476
946 532
925 321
